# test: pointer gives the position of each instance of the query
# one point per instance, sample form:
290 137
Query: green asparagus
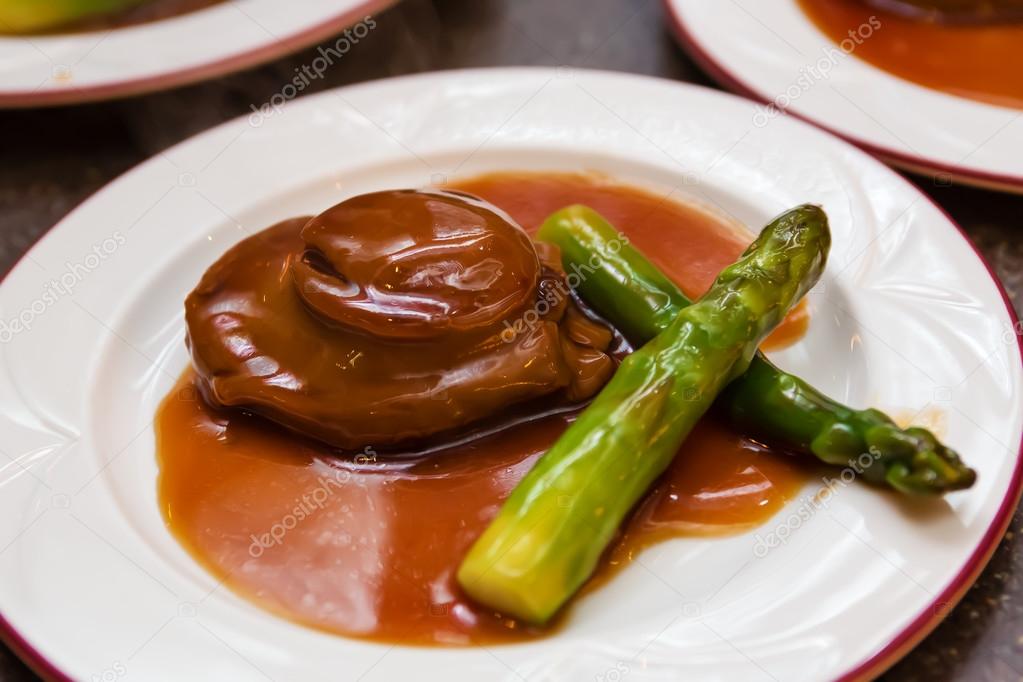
765 403
550 533
26 16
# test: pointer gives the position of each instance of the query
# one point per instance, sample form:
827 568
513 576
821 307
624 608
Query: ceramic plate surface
765 49
76 67
906 318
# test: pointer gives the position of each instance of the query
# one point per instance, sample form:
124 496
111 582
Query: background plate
77 67
762 48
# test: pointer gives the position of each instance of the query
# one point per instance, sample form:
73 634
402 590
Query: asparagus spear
766 403
25 16
550 533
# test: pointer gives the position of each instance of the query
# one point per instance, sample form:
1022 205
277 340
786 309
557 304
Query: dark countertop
52 159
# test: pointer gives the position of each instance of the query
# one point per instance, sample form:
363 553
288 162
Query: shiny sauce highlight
366 545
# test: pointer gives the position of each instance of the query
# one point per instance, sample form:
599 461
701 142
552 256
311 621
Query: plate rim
934 613
22 99
913 163
875 664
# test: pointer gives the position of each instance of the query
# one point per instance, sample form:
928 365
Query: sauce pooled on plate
366 544
976 60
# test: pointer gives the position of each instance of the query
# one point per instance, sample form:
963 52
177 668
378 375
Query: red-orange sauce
792 328
368 547
981 62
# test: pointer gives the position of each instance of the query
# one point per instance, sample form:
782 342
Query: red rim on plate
220 67
910 162
922 625
927 620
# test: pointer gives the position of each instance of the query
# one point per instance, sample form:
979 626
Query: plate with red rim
101 63
907 318
766 49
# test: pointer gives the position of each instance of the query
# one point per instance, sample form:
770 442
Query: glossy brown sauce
981 62
393 317
367 546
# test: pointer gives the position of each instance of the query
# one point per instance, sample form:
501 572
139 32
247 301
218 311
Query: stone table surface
52 159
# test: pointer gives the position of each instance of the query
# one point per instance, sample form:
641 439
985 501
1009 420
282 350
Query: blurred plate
764 48
907 318
62 68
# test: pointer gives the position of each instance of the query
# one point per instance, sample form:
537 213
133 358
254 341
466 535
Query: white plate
764 48
232 35
907 318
